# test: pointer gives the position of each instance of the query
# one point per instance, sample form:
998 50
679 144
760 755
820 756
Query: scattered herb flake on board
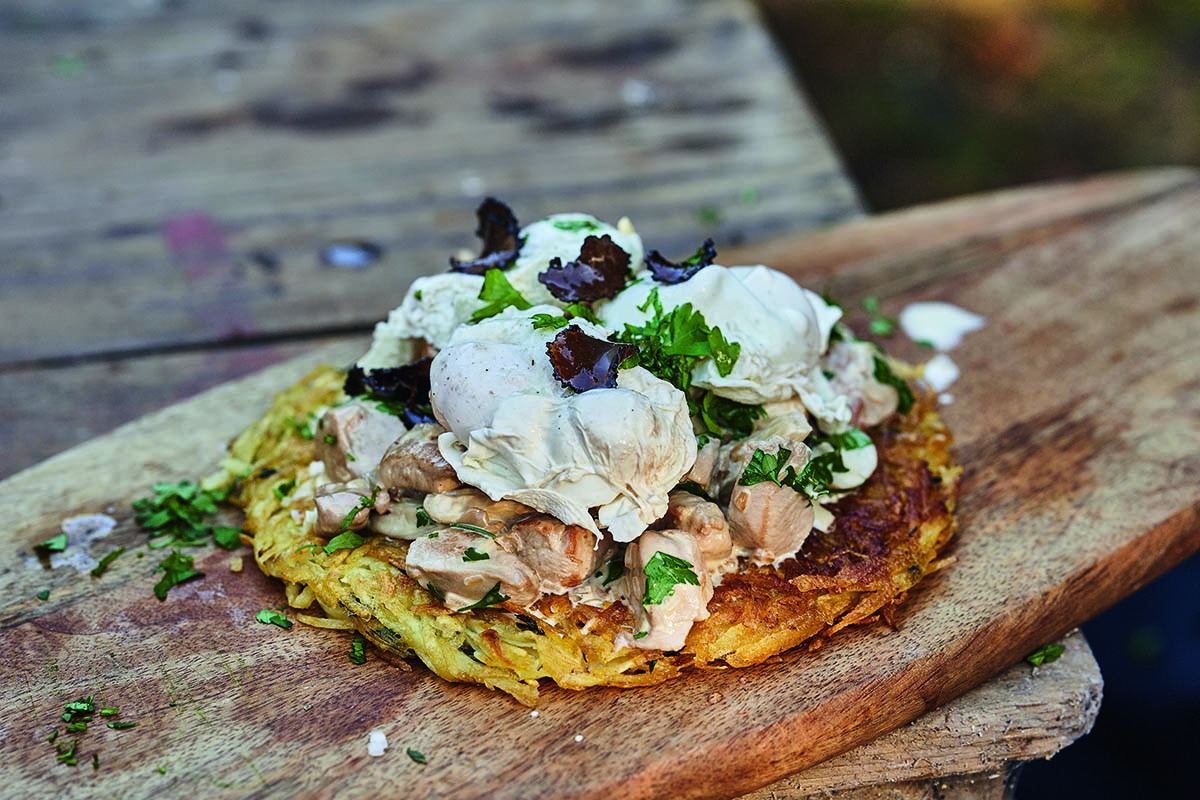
417 756
175 513
44 594
492 598
227 537
55 544
269 616
582 362
116 726
669 272
663 573
500 232
879 325
1045 654
95 761
498 294
176 569
600 272
358 652
106 562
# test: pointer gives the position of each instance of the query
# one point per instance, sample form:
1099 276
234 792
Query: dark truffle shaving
583 362
669 272
499 230
600 272
404 390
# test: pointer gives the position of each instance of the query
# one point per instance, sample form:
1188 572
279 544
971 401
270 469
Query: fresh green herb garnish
44 594
1045 654
269 616
884 374
812 481
358 652
174 515
879 325
575 225
499 294
691 487
663 573
176 569
417 756
362 505
283 489
77 727
105 562
55 544
471 554
423 518
615 569
641 634
474 529
925 343
720 413
95 761
435 591
542 322
347 540
329 438
108 712
850 439
303 429
417 295
227 537
492 598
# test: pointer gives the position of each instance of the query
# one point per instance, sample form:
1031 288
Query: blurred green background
928 99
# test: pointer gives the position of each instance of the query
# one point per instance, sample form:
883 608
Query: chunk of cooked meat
463 577
562 555
414 463
335 501
853 365
352 438
706 459
789 430
473 507
768 520
665 624
704 520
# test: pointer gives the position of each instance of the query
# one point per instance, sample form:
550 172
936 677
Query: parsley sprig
663 573
176 569
175 514
1045 654
670 344
499 295
883 374
812 481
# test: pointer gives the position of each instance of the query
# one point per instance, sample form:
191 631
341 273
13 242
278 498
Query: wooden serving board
1078 422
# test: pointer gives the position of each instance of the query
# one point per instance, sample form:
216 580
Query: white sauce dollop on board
376 743
940 372
943 325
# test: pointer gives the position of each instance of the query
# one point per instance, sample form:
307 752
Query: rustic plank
1022 714
1077 404
176 183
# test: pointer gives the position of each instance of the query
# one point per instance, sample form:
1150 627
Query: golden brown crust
886 537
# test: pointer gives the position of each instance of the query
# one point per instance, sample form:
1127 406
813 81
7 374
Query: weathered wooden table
169 174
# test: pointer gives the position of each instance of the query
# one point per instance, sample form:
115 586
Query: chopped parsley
691 487
303 429
283 489
812 481
474 529
615 569
575 225
329 438
362 505
417 295
44 594
269 616
358 652
663 573
347 540
1045 654
499 295
176 569
850 439
884 374
106 562
55 544
642 635
670 344
492 598
471 554
416 755
879 325
549 322
174 515
423 518
227 537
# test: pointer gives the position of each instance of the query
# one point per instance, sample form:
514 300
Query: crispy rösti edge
886 537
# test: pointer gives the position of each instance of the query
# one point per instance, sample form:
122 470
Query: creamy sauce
940 372
943 325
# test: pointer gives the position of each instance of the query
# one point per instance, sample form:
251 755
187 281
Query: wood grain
1078 419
